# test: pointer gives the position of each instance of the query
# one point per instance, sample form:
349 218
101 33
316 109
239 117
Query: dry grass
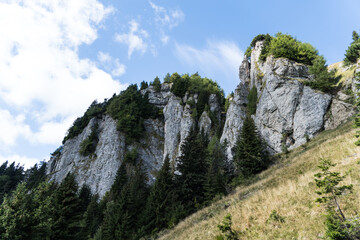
287 187
346 73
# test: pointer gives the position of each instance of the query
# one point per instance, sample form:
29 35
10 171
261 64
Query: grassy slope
287 187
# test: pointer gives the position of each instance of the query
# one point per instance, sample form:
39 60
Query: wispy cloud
44 84
111 64
217 57
134 39
166 19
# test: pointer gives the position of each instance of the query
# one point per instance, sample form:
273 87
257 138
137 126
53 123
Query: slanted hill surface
288 187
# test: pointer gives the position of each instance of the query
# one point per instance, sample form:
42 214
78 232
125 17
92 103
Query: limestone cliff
163 137
288 114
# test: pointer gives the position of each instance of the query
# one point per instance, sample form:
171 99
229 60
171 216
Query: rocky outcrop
99 171
288 113
235 116
162 137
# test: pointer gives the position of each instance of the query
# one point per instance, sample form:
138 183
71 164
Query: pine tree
123 215
10 176
250 154
68 215
92 217
35 175
15 215
216 179
192 168
44 211
160 199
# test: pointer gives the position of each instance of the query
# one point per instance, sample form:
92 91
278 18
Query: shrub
226 229
252 100
95 110
88 146
324 80
130 108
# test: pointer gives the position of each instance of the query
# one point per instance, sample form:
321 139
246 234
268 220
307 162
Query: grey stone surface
235 116
205 123
173 112
309 116
98 172
338 113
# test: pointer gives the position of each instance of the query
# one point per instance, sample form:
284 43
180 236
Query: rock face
163 137
287 115
98 172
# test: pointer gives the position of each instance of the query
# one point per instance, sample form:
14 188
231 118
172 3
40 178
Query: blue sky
56 57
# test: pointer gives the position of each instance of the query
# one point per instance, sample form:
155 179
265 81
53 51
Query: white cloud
41 70
111 64
22 160
11 127
134 39
222 57
168 18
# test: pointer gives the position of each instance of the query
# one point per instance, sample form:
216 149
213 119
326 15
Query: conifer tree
192 168
122 218
44 211
250 156
15 215
92 217
68 215
216 179
160 199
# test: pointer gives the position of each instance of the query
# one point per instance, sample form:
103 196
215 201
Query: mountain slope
287 187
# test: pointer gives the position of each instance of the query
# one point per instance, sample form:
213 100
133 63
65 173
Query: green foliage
10 176
180 84
284 45
250 155
195 84
124 214
324 80
335 228
252 98
95 110
353 52
248 52
88 146
35 175
357 116
260 37
161 199
327 182
219 170
355 36
130 108
68 210
192 166
157 84
144 85
226 228
16 224
167 78
275 217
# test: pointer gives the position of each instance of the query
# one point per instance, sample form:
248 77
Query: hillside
287 187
